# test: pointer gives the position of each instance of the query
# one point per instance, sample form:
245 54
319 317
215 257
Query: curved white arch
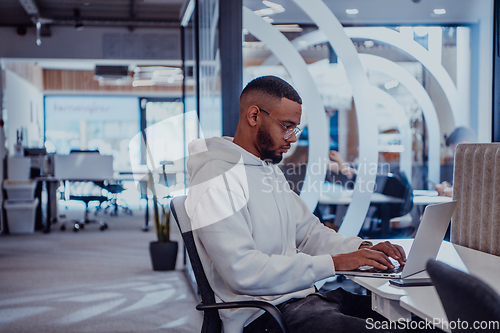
312 103
368 152
423 99
417 51
406 79
391 37
403 124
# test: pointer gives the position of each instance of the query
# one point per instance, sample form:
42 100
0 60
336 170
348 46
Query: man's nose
292 138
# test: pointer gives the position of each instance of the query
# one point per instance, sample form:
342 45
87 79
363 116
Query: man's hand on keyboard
362 257
392 250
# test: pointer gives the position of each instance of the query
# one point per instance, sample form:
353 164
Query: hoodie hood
219 151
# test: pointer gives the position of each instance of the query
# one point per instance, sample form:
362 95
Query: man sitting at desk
257 239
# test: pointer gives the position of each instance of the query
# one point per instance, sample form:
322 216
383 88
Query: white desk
336 194
398 303
424 197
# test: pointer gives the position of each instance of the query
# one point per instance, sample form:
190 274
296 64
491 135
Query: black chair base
80 224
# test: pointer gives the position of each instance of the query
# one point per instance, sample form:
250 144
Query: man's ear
252 113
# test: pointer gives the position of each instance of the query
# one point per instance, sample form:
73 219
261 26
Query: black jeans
335 311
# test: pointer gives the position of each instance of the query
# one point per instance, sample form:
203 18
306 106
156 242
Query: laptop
426 244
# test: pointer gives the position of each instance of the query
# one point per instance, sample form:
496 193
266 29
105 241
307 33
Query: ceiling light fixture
38 32
143 83
369 43
288 27
439 11
186 16
352 11
391 84
273 8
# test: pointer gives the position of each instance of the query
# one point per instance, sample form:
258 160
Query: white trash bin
20 189
21 215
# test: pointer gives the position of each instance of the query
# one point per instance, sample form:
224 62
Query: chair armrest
268 307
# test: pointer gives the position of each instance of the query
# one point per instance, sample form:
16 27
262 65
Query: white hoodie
256 238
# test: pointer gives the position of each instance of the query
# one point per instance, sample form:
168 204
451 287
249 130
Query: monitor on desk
83 166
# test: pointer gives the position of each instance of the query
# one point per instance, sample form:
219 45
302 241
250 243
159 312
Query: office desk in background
334 194
337 195
396 303
78 166
428 197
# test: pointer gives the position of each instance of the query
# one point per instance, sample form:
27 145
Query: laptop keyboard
397 268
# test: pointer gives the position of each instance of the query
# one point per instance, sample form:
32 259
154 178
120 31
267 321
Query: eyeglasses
289 131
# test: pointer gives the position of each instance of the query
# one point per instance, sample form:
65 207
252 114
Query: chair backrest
83 166
476 188
211 319
464 297
396 185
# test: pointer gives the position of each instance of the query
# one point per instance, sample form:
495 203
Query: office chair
464 296
114 190
211 319
80 224
394 185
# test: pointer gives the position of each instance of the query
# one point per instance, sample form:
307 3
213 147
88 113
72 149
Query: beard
265 142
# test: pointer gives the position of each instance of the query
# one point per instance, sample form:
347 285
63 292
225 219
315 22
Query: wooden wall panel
84 81
28 71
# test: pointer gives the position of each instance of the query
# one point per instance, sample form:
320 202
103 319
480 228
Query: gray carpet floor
92 281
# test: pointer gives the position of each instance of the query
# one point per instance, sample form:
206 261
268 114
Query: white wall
23 105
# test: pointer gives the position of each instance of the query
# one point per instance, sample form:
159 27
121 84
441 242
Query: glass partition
410 67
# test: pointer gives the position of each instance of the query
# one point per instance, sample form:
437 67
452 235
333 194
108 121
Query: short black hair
274 87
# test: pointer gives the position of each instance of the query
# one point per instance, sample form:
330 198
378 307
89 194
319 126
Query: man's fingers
376 264
379 257
402 253
398 253
392 250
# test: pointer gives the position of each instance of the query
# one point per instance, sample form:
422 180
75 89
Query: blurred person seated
294 167
338 165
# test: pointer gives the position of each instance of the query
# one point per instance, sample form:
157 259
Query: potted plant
163 252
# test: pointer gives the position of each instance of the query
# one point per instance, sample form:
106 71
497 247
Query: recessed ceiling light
391 84
288 27
439 11
369 43
352 11
272 8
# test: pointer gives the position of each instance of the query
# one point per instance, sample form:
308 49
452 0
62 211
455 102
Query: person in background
459 135
338 165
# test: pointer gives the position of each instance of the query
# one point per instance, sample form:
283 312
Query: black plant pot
163 255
